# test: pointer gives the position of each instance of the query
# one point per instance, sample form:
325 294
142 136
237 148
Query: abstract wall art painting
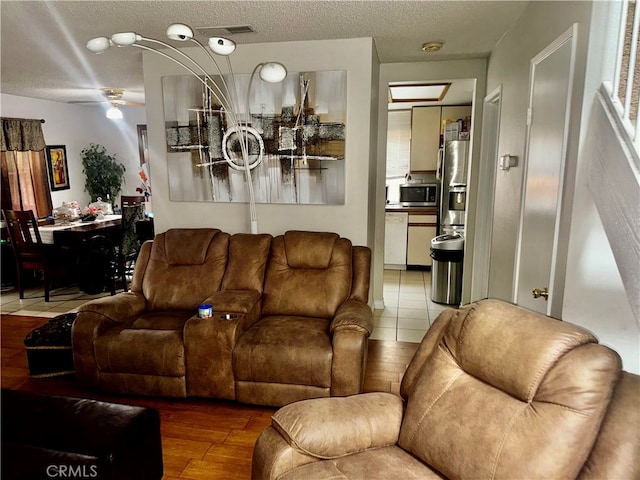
296 134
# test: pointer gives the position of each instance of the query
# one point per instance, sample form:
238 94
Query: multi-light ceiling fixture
272 72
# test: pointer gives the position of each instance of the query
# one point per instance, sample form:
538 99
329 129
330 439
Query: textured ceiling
43 52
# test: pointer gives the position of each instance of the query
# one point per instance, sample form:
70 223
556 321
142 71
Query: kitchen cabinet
425 138
455 112
422 228
426 125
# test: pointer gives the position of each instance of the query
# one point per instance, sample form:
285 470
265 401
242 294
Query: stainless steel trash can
447 252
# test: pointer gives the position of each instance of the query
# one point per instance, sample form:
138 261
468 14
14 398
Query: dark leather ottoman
49 347
47 436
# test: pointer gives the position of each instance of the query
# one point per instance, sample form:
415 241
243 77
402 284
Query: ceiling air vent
222 31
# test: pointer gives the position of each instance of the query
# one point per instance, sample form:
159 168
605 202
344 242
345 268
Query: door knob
537 293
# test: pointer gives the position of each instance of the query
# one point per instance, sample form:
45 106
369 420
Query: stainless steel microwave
419 194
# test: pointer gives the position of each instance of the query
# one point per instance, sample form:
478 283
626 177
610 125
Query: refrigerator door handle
439 165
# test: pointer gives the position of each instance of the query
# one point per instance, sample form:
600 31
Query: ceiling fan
112 96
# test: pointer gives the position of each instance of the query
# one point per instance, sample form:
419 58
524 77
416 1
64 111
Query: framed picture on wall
57 166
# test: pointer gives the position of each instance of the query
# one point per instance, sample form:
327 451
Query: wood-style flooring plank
201 438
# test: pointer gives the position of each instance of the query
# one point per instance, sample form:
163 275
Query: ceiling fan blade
111 96
87 102
98 102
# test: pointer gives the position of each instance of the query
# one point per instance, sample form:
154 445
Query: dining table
72 234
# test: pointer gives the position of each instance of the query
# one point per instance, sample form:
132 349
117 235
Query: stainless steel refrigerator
452 173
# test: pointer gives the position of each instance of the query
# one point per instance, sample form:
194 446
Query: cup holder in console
228 316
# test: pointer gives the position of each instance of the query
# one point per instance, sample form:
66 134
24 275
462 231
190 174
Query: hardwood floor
201 438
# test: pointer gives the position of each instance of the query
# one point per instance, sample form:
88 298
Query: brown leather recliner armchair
494 391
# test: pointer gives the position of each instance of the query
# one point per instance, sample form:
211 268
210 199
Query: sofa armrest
273 456
117 308
93 320
334 427
353 315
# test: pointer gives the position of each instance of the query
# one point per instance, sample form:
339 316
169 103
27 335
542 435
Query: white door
548 118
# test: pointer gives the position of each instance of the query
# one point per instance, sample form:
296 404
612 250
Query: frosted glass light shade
114 113
222 46
98 45
125 39
180 32
273 72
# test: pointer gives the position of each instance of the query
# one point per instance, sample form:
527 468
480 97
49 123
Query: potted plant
104 175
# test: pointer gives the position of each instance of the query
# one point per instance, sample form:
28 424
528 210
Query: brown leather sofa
53 436
299 321
494 391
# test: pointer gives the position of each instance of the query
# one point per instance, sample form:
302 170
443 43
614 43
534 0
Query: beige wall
357 57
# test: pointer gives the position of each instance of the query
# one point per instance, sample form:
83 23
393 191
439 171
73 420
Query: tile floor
62 300
408 308
406 317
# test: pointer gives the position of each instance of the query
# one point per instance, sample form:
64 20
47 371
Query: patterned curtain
24 172
21 134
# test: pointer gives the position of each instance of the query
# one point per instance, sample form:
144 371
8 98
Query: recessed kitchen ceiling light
430 47
225 30
418 92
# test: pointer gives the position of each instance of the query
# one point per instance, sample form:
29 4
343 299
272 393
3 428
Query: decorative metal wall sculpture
296 140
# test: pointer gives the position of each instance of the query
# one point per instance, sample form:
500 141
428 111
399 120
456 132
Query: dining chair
129 241
131 200
29 251
97 265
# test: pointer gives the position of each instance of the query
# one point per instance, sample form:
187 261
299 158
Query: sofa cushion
248 254
185 266
309 274
159 320
148 345
290 350
309 249
187 246
510 411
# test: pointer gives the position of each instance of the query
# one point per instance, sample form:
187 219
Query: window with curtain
398 151
625 88
25 185
398 143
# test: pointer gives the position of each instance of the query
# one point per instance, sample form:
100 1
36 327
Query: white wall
593 293
424 71
349 220
75 127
